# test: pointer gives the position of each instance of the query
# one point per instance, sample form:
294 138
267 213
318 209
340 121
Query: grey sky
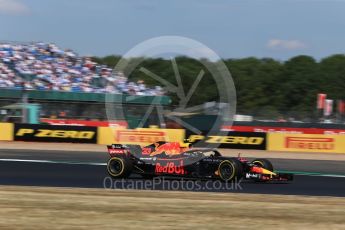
234 29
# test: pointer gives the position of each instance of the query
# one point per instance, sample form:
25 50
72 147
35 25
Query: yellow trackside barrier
6 132
306 143
142 136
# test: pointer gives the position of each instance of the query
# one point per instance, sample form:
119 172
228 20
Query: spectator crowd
42 66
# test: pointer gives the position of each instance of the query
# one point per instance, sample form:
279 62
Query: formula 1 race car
170 159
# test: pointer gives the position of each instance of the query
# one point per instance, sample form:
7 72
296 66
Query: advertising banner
341 107
328 110
55 133
321 97
231 140
6 132
306 143
141 136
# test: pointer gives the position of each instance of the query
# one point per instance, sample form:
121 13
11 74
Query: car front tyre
230 169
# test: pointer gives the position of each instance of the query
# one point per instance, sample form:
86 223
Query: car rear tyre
119 167
230 169
264 163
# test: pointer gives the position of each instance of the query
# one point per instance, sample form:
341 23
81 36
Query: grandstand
69 86
45 66
66 85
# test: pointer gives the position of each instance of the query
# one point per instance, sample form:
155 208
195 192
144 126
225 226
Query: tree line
265 87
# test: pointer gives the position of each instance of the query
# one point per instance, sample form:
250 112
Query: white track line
52 162
325 175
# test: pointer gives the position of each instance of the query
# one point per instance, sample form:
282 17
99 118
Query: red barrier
84 122
271 129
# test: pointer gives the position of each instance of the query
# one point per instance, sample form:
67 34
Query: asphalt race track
87 170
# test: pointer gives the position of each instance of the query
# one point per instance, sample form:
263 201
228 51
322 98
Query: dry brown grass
64 208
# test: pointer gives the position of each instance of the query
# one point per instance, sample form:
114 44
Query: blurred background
287 69
62 102
58 84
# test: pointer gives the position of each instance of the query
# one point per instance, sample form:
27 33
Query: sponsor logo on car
320 143
116 151
139 136
170 168
118 146
170 149
252 175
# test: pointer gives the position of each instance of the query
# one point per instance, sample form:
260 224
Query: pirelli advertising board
141 136
55 133
306 143
231 140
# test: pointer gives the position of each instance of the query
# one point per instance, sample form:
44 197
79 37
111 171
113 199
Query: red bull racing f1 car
170 159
